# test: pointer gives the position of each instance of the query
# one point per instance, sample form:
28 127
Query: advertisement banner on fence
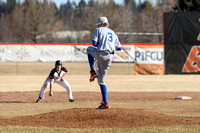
149 59
50 53
31 53
127 54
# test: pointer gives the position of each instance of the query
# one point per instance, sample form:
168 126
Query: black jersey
55 75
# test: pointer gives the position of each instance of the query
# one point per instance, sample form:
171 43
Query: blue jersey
106 39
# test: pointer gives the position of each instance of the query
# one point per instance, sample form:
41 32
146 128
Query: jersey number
110 37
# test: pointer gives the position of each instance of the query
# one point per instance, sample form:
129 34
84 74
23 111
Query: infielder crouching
56 75
104 42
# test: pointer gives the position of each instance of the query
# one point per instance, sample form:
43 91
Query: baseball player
104 42
56 75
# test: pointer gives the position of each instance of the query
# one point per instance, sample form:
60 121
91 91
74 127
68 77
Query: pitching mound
96 118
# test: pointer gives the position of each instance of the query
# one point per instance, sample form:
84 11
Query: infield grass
183 108
152 129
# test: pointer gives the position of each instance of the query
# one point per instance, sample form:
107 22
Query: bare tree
150 22
127 17
30 19
40 18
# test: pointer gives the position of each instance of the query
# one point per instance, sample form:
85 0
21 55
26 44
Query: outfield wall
72 52
140 53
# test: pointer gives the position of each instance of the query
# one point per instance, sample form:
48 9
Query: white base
183 97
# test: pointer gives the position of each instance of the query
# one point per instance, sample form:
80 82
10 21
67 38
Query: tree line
36 21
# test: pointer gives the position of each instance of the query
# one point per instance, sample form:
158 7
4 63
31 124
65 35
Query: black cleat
71 100
39 100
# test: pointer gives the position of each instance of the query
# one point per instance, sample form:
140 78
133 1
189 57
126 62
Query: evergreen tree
62 11
187 5
68 5
130 3
91 3
2 7
10 5
82 4
146 5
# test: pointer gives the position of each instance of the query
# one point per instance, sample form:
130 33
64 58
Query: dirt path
30 97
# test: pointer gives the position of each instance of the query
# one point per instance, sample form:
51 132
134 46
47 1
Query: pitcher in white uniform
56 76
105 42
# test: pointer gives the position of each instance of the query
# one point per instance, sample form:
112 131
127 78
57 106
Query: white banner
50 53
2 53
149 55
127 54
21 53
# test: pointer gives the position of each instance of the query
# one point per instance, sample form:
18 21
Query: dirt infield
30 97
95 118
21 82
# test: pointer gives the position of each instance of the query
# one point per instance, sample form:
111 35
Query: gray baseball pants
104 61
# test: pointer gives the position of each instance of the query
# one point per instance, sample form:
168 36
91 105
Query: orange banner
146 69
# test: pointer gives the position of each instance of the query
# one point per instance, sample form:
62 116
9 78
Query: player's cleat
39 100
104 106
71 100
93 75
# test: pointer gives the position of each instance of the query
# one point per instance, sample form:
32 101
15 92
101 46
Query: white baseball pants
64 84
